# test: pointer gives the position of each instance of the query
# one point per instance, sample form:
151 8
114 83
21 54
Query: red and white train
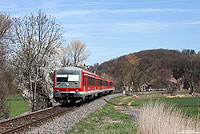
72 84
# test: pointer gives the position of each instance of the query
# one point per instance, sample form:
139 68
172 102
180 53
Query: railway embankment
64 123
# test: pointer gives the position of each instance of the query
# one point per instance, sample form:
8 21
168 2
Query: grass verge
106 121
17 105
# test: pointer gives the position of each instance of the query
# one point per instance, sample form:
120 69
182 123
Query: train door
88 83
84 82
96 84
103 87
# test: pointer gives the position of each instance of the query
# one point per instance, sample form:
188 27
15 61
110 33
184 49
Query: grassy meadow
17 105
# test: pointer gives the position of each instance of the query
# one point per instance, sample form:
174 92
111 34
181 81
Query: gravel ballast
65 122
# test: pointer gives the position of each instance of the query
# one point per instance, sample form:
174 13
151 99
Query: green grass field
17 105
190 106
106 121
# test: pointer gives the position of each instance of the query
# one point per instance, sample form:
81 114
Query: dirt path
129 110
133 112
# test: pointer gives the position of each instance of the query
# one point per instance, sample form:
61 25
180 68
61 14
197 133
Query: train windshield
68 78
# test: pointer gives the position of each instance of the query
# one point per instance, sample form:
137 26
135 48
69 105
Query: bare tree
77 52
189 52
172 87
5 25
64 57
3 85
5 77
37 38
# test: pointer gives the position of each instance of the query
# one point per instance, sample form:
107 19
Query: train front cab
67 85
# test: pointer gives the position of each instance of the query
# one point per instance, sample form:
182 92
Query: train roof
69 68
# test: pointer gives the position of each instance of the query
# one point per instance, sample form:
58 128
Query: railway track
16 125
22 123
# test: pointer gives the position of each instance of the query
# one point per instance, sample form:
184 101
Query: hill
156 67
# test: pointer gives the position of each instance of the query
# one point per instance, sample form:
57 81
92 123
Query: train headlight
76 90
57 90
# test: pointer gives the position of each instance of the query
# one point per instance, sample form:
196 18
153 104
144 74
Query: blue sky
112 28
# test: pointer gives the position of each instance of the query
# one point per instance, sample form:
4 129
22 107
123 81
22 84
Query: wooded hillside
156 67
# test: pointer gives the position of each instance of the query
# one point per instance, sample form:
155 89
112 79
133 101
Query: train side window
93 81
99 82
110 83
89 81
84 80
104 83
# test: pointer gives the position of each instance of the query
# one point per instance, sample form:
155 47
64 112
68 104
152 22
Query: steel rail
28 115
32 122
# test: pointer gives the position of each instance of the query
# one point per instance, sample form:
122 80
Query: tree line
156 67
32 47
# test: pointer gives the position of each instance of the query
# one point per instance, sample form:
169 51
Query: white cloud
127 26
74 35
77 12
192 23
84 25
57 4
146 10
121 27
53 4
141 26
86 12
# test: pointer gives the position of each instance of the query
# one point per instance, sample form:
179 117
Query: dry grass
156 119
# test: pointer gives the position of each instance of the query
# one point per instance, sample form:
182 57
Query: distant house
146 87
177 82
173 80
125 88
